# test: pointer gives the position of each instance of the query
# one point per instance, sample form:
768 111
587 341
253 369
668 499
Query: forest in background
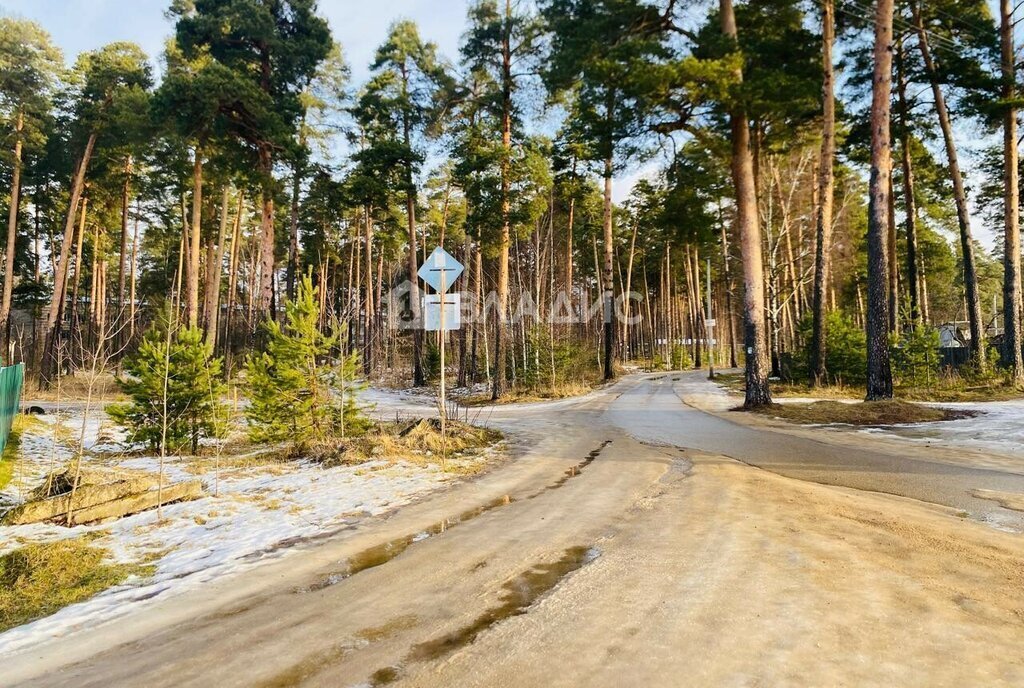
803 163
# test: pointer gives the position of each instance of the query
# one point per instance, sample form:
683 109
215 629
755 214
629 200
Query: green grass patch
39 579
864 413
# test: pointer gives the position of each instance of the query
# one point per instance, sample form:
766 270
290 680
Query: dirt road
597 559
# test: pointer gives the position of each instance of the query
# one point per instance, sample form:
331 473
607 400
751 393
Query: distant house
951 337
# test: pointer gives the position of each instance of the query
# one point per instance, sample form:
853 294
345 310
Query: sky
359 25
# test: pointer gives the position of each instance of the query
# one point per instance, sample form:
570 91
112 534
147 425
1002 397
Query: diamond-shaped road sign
440 262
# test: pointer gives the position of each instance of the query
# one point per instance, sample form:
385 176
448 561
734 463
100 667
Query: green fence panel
11 380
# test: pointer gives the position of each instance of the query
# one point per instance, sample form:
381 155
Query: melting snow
998 427
260 509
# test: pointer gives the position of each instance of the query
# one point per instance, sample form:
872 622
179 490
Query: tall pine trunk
959 195
48 363
499 379
370 315
747 223
293 233
265 303
193 243
122 257
418 378
826 193
879 374
909 201
12 237
1011 199
728 287
214 272
608 299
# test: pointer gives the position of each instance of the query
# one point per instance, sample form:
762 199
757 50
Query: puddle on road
518 595
385 552
308 667
574 471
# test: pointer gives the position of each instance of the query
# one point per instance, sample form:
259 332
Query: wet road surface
597 527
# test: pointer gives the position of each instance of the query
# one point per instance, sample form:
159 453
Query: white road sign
432 312
440 263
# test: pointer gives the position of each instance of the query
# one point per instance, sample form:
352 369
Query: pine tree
174 382
298 392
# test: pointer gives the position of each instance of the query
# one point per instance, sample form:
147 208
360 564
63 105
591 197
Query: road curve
652 410
600 484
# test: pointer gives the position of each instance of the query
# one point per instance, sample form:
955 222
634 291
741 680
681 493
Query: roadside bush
550 363
432 358
915 357
174 382
681 359
298 390
846 357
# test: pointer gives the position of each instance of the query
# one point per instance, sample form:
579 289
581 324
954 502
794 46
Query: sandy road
595 559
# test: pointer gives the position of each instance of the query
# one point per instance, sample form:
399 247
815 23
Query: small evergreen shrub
298 391
681 359
846 351
915 357
174 382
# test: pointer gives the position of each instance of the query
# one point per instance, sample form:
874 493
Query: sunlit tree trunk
193 243
122 257
730 317
233 263
12 237
368 324
959 194
48 362
1011 203
499 378
891 253
76 282
214 272
134 271
879 374
418 378
747 223
909 201
265 303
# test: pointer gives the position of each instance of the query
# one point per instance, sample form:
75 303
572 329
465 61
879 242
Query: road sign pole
710 327
434 272
443 409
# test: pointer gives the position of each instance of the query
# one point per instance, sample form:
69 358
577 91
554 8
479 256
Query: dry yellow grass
75 387
418 442
521 395
866 413
945 388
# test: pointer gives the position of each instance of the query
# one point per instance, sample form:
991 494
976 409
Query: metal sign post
709 325
440 271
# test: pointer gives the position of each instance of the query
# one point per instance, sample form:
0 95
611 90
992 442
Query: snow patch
259 510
